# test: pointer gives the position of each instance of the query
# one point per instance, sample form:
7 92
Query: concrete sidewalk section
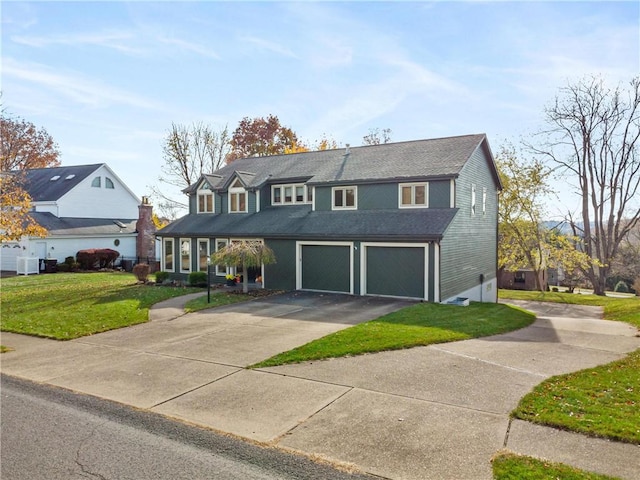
437 412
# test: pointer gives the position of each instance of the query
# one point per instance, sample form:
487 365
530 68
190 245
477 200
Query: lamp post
209 280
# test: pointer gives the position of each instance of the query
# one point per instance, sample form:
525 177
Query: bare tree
376 136
594 139
189 151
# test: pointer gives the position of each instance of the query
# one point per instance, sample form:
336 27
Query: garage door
395 271
325 268
9 252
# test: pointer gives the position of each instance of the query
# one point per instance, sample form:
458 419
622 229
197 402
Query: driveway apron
436 412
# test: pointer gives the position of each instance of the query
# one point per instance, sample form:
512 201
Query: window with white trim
484 200
203 254
167 250
344 198
221 270
96 182
108 183
473 199
237 198
185 255
294 193
205 201
414 195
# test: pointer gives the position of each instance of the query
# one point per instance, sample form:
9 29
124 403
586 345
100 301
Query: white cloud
116 40
75 87
190 47
268 45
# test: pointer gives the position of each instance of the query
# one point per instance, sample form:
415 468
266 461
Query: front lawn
71 305
508 466
420 324
622 309
603 401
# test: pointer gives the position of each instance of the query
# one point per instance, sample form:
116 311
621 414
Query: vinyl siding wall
468 248
384 196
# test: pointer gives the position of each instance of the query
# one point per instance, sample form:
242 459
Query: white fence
27 265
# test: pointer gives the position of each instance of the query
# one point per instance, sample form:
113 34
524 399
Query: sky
107 79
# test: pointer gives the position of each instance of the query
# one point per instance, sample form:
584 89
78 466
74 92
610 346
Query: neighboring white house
82 206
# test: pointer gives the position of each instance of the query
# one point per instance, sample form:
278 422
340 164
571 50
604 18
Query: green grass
603 401
508 466
71 305
420 324
622 309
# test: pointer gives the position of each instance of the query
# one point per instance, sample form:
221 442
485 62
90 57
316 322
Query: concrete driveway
437 412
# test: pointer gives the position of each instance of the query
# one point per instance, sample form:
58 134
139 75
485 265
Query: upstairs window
290 194
205 201
414 195
344 198
96 182
108 183
237 198
473 199
484 200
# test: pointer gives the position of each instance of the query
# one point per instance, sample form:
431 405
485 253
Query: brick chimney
146 241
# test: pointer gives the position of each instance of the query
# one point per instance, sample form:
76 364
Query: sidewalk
436 412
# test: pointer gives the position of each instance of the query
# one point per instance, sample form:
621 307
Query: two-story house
81 206
411 219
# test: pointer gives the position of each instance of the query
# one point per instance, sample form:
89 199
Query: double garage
406 270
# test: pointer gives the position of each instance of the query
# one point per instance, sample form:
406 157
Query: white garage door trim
9 253
299 246
363 266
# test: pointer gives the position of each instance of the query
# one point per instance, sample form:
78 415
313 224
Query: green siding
469 245
251 202
323 198
265 197
326 267
395 271
282 274
378 197
439 194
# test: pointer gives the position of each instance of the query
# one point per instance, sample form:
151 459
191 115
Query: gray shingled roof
39 185
440 157
300 222
83 226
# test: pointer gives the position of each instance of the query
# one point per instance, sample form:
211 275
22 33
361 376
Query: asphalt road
51 433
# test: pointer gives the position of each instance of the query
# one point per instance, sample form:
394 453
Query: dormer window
414 195
205 200
290 194
345 198
96 182
237 198
108 183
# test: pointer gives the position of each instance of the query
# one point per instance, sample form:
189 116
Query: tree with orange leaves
22 146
